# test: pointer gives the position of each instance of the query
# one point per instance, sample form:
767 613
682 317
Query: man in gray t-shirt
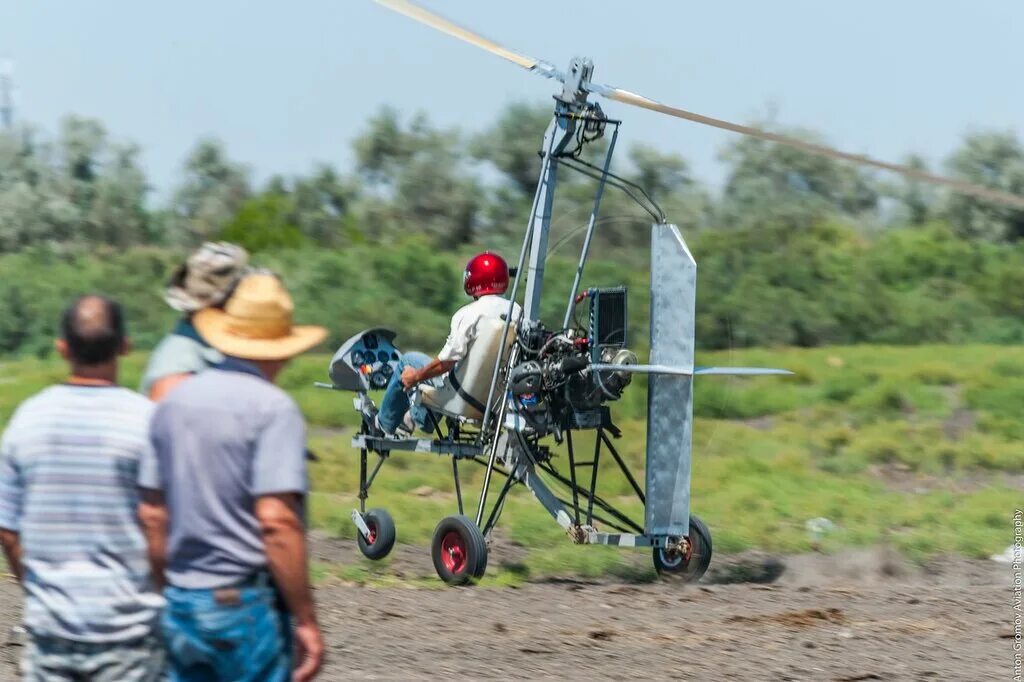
223 500
222 439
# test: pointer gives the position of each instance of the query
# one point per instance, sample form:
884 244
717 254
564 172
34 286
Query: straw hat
256 322
207 277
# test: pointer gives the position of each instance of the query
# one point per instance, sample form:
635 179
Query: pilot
486 280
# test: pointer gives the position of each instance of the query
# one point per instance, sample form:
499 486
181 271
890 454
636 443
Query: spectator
69 464
223 500
204 280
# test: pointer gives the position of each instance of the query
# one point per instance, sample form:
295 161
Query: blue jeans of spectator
239 634
395 402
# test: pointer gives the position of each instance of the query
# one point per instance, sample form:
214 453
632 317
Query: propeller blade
422 15
642 369
996 196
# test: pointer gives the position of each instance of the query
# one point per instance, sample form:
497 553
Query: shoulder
32 410
40 402
466 310
177 354
496 306
133 401
276 398
28 407
252 392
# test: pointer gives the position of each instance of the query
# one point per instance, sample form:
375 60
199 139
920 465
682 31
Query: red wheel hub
453 552
688 554
372 535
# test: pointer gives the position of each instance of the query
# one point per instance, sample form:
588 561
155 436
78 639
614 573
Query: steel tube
622 465
585 251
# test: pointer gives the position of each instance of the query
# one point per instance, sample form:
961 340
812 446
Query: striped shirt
69 461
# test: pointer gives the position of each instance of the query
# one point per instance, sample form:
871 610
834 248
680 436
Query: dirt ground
857 616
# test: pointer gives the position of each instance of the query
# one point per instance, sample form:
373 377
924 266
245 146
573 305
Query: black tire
688 568
459 550
382 535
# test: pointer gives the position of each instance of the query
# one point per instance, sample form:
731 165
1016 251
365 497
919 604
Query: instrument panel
366 361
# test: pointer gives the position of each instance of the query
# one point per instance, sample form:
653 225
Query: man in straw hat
223 494
205 280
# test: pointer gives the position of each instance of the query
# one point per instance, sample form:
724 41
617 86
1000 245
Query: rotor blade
422 15
996 196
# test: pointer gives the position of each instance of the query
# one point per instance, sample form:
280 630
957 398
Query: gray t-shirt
220 440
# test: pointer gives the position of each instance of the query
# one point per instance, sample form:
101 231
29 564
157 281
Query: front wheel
691 565
382 534
459 550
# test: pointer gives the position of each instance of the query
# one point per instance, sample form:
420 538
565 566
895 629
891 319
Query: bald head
93 329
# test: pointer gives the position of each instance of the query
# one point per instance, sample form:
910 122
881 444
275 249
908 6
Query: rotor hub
575 87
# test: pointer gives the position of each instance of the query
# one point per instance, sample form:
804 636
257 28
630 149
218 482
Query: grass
919 448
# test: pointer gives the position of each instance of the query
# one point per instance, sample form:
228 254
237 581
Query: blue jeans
395 402
241 636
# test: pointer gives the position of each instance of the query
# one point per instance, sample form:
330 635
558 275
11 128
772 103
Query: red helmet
486 273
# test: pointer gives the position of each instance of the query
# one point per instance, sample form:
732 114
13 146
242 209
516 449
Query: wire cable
624 185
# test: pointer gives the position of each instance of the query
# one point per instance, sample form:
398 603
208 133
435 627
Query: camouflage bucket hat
207 277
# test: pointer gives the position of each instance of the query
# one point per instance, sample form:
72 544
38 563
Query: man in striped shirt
69 464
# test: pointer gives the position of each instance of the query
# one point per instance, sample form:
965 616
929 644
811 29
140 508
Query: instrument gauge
358 358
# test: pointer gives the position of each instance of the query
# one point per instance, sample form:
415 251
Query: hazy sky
288 84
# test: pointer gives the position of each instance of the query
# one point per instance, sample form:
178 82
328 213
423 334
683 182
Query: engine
555 384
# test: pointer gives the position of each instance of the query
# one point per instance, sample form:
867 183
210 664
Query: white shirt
465 320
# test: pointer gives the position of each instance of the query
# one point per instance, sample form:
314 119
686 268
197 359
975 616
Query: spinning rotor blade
414 11
420 14
996 196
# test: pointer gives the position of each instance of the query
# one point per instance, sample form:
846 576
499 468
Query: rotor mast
570 104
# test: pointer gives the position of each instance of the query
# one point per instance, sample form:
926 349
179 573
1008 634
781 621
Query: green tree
117 214
417 181
916 201
213 190
513 144
324 206
264 222
771 184
81 189
994 160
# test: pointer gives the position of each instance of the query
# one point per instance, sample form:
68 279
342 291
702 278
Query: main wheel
382 535
691 565
459 550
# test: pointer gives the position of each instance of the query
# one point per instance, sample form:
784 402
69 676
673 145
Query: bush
824 285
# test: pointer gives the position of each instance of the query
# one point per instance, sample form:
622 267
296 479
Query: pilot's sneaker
403 431
408 425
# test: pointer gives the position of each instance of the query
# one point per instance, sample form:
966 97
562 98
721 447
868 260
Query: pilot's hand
409 377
